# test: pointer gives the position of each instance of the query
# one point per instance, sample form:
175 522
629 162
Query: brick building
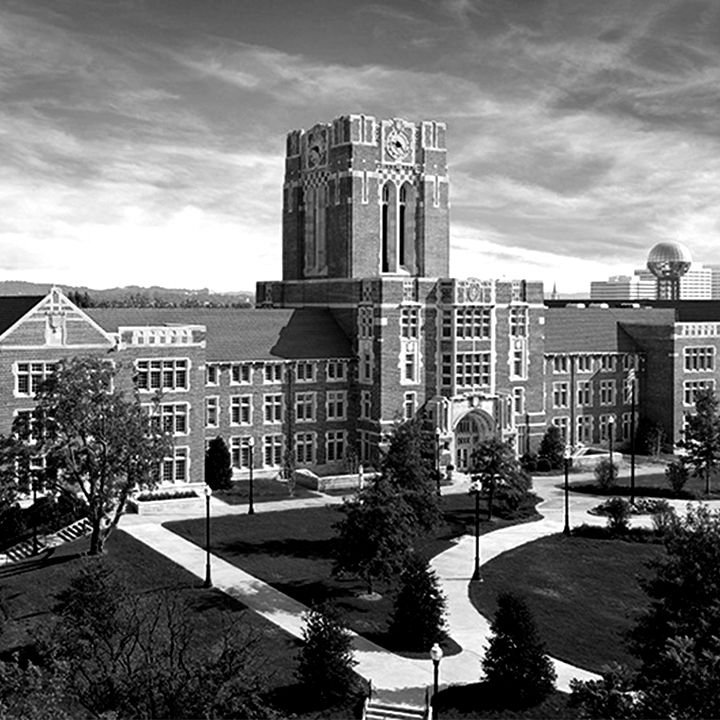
366 329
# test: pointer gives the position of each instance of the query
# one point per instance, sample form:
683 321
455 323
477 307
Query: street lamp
476 488
36 548
251 445
566 458
436 655
207 490
437 459
611 431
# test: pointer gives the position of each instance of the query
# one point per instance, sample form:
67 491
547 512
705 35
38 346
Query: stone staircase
24 550
377 709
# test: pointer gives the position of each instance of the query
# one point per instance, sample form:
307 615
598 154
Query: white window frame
241 410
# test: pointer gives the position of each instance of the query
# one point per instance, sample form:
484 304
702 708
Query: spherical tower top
669 260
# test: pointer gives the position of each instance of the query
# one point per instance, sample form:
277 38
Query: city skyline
151 132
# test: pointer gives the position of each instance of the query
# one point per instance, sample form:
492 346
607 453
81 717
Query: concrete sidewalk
393 677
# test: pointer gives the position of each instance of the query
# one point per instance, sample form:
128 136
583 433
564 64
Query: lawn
293 551
28 592
651 485
584 593
264 490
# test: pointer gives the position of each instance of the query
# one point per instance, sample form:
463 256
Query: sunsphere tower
668 262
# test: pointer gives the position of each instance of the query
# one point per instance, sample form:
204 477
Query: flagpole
632 438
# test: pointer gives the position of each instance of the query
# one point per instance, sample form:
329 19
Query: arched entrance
471 430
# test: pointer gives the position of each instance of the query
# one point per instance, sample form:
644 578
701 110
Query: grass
293 551
584 593
467 702
264 490
653 485
28 592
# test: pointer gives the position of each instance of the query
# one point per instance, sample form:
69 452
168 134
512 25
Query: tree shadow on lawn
289 547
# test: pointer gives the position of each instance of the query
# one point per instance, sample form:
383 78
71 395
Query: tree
516 665
650 437
494 465
677 476
218 465
552 446
419 612
409 466
93 439
326 658
610 697
606 473
127 655
702 437
376 533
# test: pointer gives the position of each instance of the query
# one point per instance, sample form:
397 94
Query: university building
367 329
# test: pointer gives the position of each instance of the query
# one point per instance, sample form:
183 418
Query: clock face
397 145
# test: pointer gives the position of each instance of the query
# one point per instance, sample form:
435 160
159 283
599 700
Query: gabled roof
13 307
237 334
599 330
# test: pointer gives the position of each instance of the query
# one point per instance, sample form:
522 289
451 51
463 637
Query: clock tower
366 198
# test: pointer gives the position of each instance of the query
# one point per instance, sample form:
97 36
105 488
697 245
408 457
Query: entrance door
467 435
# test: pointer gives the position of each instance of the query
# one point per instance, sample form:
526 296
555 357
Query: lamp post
436 655
475 488
208 578
566 459
36 549
251 445
611 433
437 459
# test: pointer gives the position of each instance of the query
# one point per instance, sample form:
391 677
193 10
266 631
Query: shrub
552 447
664 517
677 476
618 514
529 462
516 665
606 474
543 465
218 465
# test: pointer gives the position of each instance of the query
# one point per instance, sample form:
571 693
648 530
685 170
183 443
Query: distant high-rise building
622 287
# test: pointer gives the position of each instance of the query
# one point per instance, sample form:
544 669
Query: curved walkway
394 677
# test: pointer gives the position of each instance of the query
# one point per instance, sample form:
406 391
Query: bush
606 474
218 465
552 447
664 518
618 514
529 462
543 465
677 476
516 665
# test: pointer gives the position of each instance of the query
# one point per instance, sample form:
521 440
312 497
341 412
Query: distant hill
134 295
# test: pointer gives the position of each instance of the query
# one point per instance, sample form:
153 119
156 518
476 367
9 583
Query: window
472 369
409 401
305 372
585 364
272 408
409 366
305 407
241 452
560 395
162 374
305 448
336 371
518 359
212 374
607 392
212 411
626 426
608 363
447 324
472 321
691 387
447 370
174 418
365 405
240 374
365 447
699 359
365 322
335 407
409 322
272 450
560 365
629 362
629 387
585 428
519 400
175 467
241 410
564 424
29 375
518 321
335 445
273 373
366 366
584 393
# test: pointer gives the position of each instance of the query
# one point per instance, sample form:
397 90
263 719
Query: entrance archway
470 431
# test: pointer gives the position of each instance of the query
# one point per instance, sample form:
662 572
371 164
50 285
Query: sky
142 141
